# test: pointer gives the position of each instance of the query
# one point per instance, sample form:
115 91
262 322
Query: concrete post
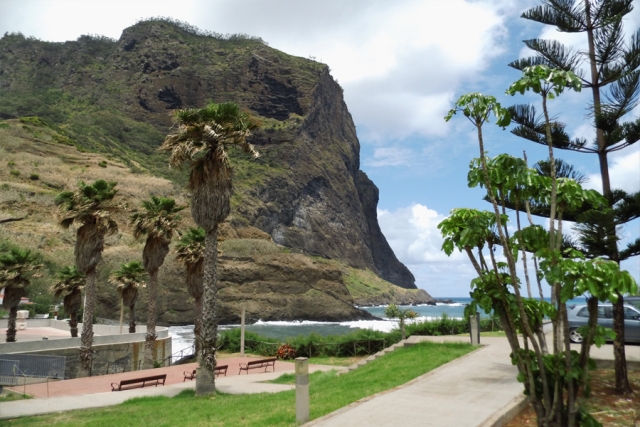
242 332
302 390
474 329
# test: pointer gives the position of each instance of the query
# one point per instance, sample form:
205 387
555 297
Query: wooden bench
139 382
222 369
262 363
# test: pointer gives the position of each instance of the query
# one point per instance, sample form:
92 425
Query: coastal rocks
387 265
277 286
399 297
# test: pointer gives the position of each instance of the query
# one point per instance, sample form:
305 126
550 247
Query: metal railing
177 356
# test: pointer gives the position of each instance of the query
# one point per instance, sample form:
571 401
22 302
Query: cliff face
116 97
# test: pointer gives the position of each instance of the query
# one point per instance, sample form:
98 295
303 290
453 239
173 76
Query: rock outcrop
115 97
306 190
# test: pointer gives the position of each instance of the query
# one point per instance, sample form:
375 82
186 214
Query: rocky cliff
115 97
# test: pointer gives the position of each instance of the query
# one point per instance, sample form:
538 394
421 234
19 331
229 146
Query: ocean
183 338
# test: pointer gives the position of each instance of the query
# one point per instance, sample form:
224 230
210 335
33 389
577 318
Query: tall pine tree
609 69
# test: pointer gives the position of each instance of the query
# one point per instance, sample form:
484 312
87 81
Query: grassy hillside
38 164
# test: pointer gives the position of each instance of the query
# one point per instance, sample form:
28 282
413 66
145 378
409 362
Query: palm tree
201 138
69 285
90 208
191 253
16 270
127 279
159 222
395 312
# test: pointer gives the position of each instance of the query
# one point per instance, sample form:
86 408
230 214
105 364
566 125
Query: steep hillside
272 282
115 97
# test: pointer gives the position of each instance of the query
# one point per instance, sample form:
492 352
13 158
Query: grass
313 377
9 396
334 361
327 393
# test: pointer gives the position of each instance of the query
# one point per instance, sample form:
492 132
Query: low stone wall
108 358
114 352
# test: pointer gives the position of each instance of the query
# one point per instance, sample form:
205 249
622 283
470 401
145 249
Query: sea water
183 338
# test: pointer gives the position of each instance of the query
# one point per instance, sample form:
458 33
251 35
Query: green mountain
111 100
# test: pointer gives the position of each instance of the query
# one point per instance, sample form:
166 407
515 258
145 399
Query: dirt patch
610 409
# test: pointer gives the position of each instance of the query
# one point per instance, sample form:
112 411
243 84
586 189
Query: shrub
286 352
34 177
4 125
15 172
103 164
33 120
248 247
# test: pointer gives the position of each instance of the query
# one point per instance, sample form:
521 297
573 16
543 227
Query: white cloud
413 235
390 156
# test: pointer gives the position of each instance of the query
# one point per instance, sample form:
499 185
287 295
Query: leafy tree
69 285
614 80
90 208
190 252
402 314
127 280
552 378
158 221
202 138
17 267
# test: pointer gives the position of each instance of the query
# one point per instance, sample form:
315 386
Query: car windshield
635 303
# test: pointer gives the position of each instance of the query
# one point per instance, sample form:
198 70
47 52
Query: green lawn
328 392
8 396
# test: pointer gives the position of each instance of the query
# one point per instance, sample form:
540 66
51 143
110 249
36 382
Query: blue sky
402 64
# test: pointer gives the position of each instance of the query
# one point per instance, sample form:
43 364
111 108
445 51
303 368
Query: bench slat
262 363
139 382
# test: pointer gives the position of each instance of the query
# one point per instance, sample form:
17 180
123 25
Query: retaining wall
114 352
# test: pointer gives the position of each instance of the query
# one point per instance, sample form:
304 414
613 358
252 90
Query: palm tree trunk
197 328
73 324
132 319
205 379
86 343
121 313
11 324
150 339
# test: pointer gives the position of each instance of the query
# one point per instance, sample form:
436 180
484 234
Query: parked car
579 316
634 301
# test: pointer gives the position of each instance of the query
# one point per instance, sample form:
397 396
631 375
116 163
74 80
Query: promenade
475 390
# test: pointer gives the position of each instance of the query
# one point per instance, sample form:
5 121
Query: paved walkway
465 392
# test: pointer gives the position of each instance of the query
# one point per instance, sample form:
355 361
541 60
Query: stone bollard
302 390
474 328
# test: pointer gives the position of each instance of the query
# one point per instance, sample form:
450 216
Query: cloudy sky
402 64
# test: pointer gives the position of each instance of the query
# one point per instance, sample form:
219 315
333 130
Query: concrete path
465 392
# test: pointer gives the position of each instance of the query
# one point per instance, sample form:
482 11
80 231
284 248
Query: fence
31 365
311 349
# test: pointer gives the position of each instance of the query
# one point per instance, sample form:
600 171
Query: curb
507 413
371 358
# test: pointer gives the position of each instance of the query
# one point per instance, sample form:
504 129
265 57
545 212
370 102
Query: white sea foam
292 323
